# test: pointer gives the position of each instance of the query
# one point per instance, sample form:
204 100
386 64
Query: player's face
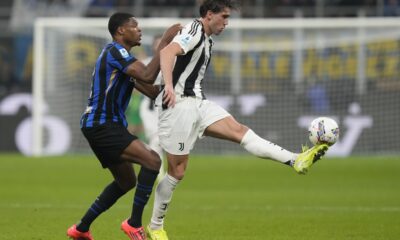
132 32
218 21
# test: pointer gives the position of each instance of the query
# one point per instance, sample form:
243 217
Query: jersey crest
124 53
185 39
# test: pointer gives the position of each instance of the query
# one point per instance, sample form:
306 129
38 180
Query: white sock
162 199
265 149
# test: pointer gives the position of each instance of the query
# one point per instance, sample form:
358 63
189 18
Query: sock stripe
144 187
140 201
93 210
98 206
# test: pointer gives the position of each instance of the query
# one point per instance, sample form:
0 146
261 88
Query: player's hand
171 32
169 96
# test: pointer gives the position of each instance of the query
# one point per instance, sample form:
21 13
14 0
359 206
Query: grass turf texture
229 197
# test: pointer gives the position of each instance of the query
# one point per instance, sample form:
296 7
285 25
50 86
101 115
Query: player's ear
120 30
209 15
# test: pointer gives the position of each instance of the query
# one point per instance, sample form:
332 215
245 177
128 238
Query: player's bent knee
127 184
154 162
178 176
176 173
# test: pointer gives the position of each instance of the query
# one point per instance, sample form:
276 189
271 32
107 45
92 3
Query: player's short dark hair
116 20
216 6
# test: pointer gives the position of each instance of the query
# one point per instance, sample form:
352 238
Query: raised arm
167 60
148 74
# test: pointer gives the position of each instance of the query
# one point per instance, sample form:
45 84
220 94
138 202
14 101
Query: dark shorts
108 141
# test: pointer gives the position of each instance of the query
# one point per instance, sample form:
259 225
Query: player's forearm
167 59
149 90
152 70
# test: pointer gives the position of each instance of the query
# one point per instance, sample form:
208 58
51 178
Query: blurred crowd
17 18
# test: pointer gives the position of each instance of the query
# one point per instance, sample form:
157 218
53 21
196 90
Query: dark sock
144 188
103 202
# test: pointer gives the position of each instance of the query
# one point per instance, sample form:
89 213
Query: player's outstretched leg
73 233
133 233
308 157
159 234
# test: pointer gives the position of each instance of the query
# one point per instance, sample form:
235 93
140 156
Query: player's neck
206 27
125 45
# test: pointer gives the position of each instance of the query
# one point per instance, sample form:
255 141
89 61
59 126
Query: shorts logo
181 146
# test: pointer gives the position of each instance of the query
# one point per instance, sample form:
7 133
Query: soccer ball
323 130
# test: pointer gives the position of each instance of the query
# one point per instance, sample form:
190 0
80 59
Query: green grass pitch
221 198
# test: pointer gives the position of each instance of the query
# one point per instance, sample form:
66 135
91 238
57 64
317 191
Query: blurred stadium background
279 64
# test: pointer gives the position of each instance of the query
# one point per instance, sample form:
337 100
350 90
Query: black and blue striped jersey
111 87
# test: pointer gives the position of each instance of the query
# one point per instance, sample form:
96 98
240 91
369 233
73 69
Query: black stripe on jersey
109 101
193 28
182 62
210 51
85 118
190 81
110 107
127 95
102 87
117 56
208 62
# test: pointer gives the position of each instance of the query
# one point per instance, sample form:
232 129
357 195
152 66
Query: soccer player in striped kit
103 123
186 114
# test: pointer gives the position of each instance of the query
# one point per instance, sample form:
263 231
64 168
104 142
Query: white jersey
180 126
190 67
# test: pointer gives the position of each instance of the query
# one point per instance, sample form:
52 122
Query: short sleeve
189 36
120 58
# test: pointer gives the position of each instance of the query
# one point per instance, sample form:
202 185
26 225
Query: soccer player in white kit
149 115
186 114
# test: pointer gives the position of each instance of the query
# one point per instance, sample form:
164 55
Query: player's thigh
178 127
227 128
108 141
140 153
217 122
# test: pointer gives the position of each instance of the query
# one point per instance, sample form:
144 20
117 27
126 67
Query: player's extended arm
167 61
149 90
148 74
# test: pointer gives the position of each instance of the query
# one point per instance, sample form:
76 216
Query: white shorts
179 127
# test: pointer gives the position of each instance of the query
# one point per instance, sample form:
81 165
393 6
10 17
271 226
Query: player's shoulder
118 51
190 36
194 27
